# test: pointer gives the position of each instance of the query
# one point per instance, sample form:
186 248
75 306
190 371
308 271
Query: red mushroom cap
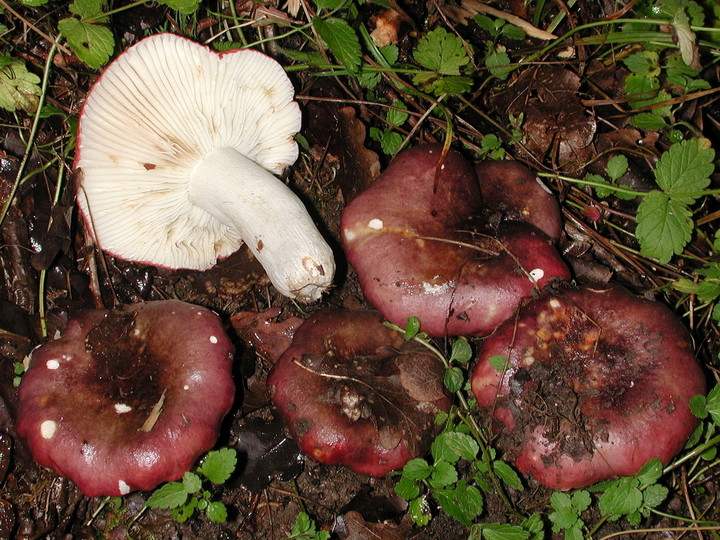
128 398
598 383
418 248
354 392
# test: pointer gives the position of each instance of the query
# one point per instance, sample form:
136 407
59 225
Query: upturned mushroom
129 398
423 243
596 383
177 150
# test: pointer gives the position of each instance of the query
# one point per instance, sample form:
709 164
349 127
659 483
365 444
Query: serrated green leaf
407 489
617 166
641 90
621 498
191 482
650 472
684 36
92 43
218 465
560 501
563 518
341 39
454 379
450 446
443 474
581 500
19 88
649 121
87 8
654 495
182 513
503 531
328 4
419 511
171 495
498 62
397 115
217 512
698 406
712 403
186 7
391 53
508 475
511 31
34 3
441 52
645 63
461 351
535 526
417 469
664 226
303 524
685 169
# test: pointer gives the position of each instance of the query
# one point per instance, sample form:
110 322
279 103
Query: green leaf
463 503
684 36
88 8
617 166
398 115
93 44
407 489
443 474
191 482
217 512
650 472
698 406
171 495
461 351
664 226
503 531
182 513
581 500
654 495
498 361
417 469
535 526
18 87
507 474
186 7
218 465
302 525
412 327
454 379
450 446
621 498
441 52
712 404
645 63
649 121
341 40
498 62
685 168
511 31
328 4
641 90
419 511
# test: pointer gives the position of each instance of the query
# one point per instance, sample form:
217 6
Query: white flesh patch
213 340
438 289
52 364
121 408
48 428
554 303
123 487
376 224
537 274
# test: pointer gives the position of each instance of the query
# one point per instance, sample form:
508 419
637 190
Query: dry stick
529 29
42 34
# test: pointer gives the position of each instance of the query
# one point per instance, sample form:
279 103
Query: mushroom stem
269 217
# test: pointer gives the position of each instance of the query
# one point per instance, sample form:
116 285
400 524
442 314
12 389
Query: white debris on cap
123 488
48 428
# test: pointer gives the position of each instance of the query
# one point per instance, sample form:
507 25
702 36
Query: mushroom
421 246
354 392
128 398
177 147
597 382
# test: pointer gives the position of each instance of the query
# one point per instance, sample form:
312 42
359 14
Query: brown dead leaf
352 526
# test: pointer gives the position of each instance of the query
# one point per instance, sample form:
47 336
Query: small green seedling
567 510
188 495
305 529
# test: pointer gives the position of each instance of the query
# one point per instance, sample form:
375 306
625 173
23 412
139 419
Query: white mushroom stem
269 217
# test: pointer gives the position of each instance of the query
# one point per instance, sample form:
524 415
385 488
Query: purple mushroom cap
129 398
